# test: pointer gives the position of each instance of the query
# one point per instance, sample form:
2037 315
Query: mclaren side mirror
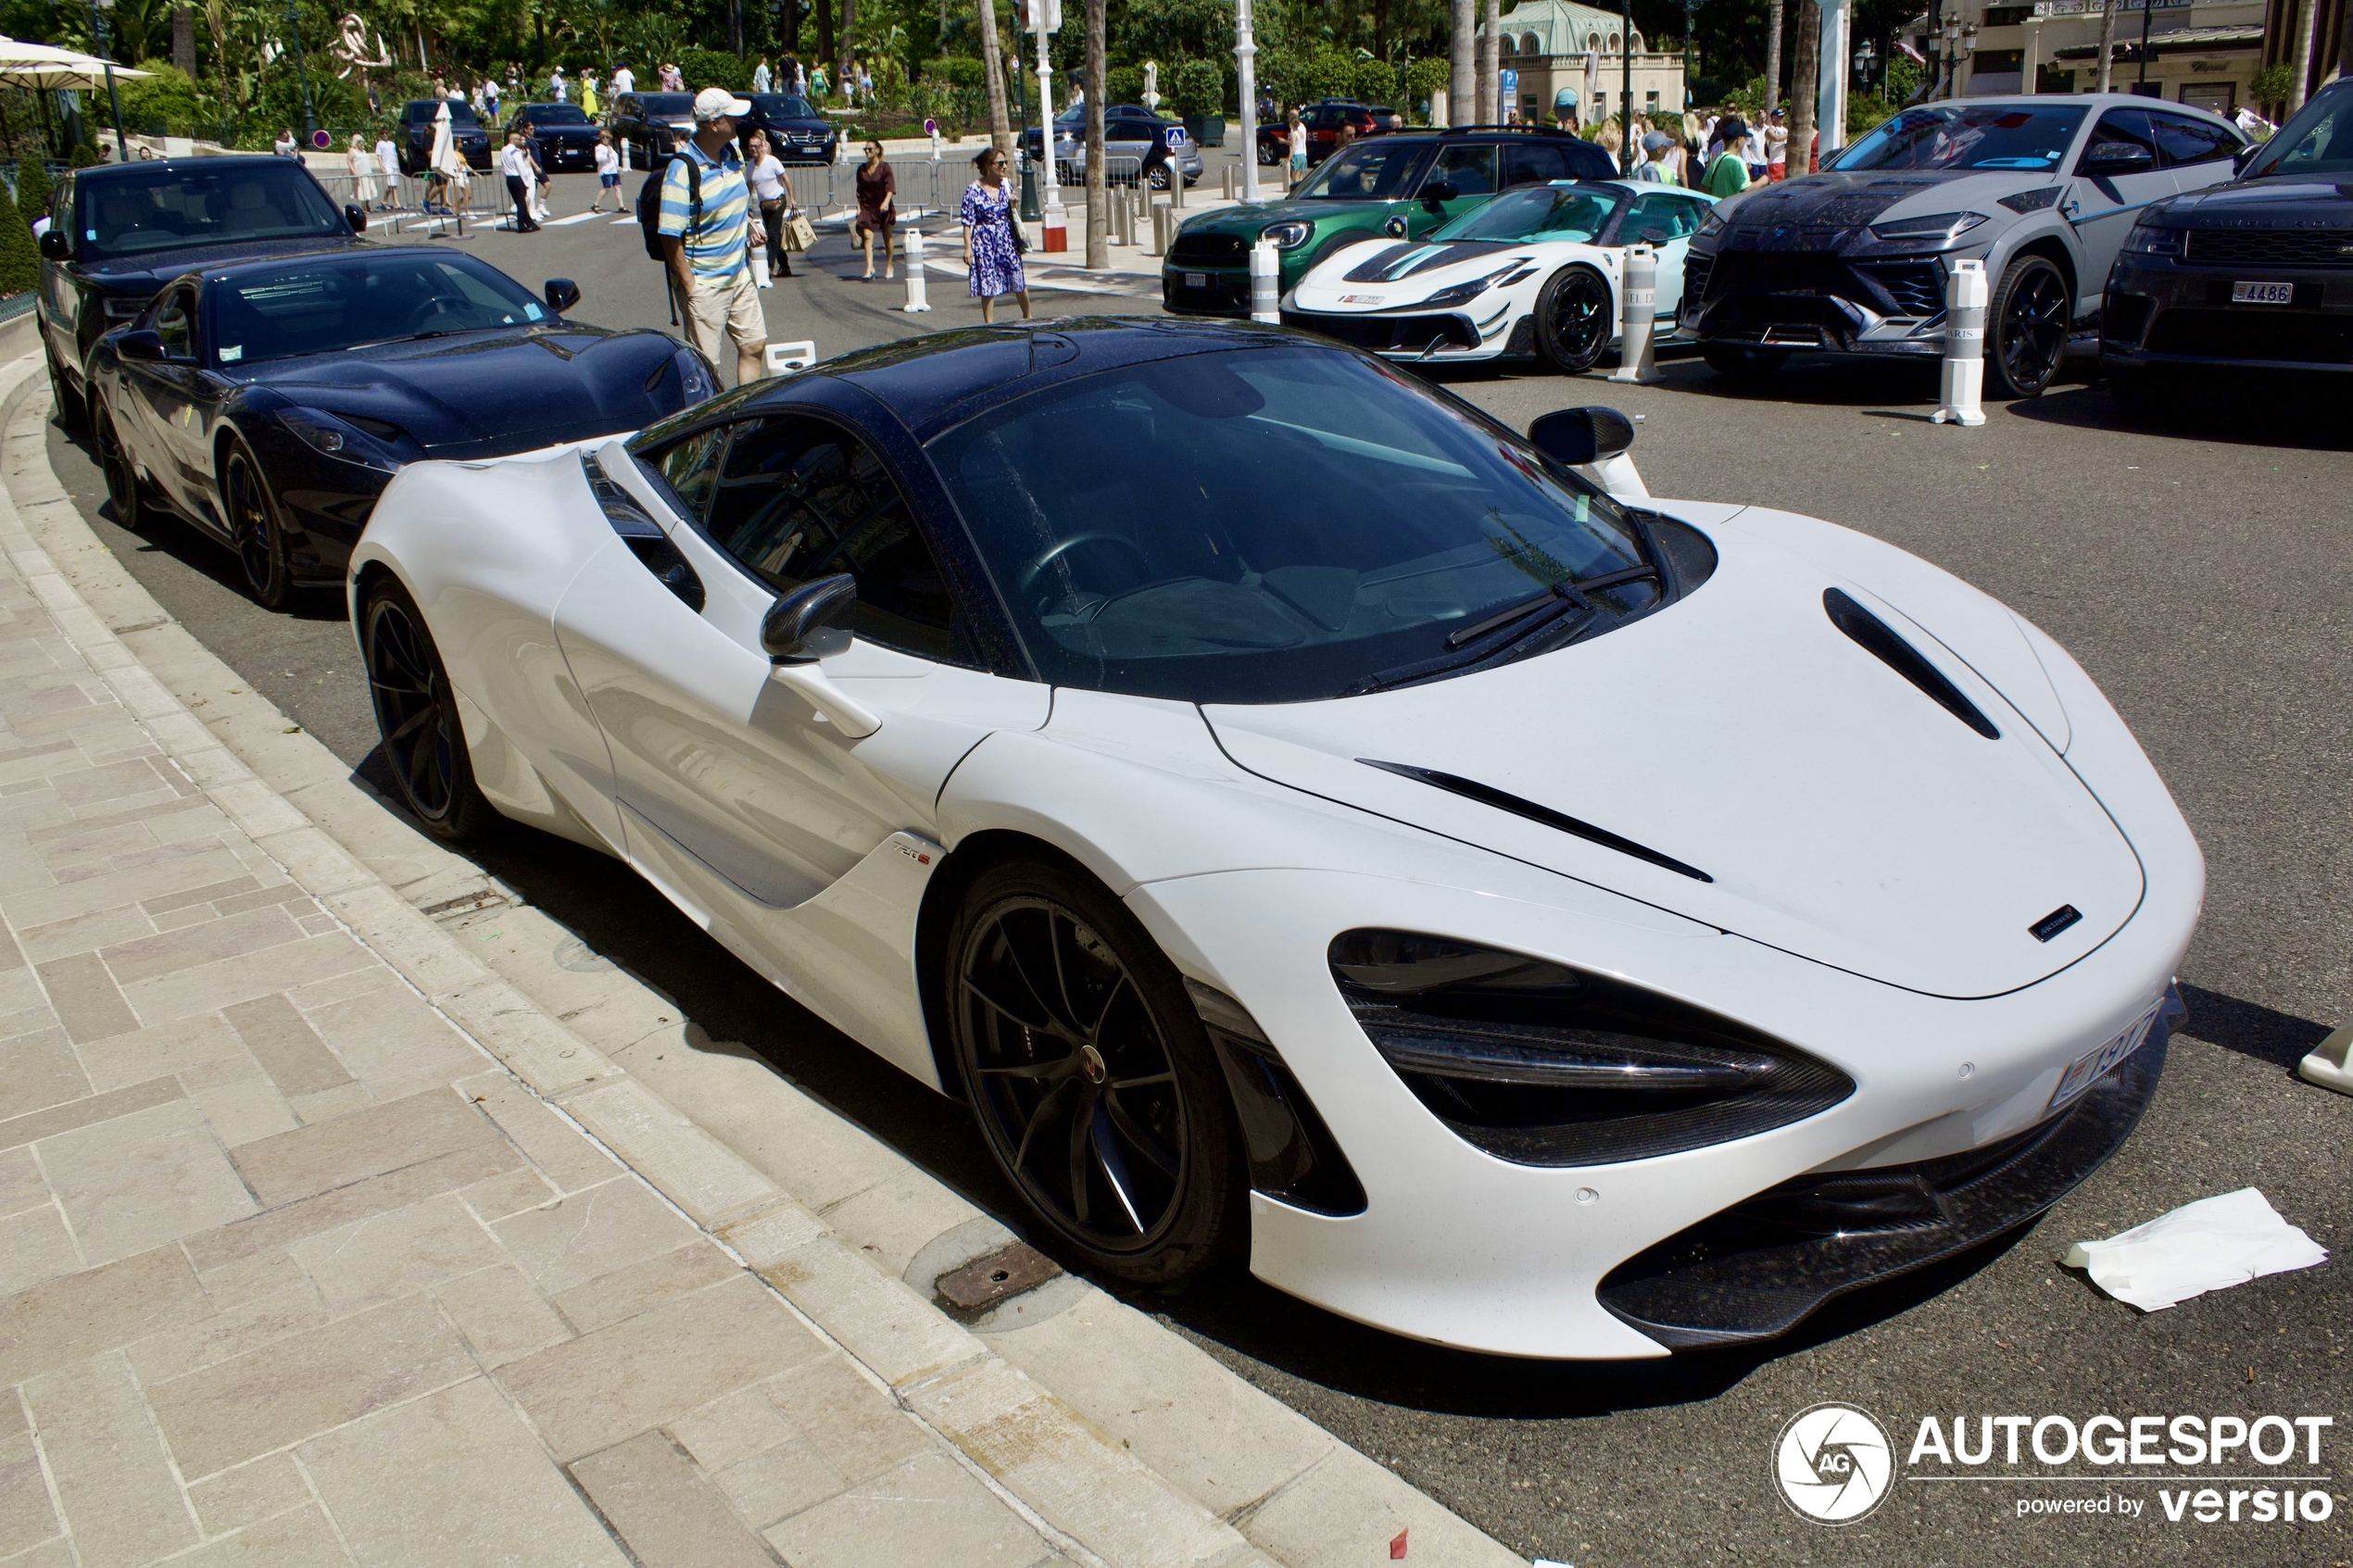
139 344
1437 191
812 622
54 246
1578 436
357 216
562 295
2110 158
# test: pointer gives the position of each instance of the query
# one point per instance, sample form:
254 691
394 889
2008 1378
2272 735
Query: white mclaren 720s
1312 822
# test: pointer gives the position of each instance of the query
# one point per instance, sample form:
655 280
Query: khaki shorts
717 313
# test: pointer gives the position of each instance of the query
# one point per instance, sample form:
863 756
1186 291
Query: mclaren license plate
2092 1066
2262 293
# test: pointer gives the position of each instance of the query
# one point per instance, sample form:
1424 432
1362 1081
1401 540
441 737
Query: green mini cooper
1405 183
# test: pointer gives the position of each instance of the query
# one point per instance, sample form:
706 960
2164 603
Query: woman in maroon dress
878 207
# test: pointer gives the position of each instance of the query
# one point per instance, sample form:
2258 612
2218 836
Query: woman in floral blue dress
990 251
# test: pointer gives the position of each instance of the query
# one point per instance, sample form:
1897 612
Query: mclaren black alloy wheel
1573 321
116 462
259 537
1096 1086
1743 363
425 744
2029 316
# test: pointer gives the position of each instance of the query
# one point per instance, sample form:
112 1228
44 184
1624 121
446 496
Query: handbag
1020 241
799 233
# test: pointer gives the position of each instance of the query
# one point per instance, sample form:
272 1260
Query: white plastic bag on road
2199 1247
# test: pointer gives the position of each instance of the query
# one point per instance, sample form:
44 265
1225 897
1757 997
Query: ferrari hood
1738 758
482 394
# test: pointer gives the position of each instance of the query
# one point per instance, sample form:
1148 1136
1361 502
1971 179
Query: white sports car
1537 270
1303 816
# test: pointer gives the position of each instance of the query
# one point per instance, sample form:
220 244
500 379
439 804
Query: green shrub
83 155
33 186
166 97
19 258
2271 85
1123 84
1196 87
1373 81
956 71
713 68
1426 79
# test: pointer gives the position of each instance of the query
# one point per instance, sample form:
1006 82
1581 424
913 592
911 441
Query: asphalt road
2197 569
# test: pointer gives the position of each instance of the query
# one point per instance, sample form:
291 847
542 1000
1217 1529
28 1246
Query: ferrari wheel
2029 318
254 525
1573 321
73 410
425 743
1739 362
121 471
1096 1086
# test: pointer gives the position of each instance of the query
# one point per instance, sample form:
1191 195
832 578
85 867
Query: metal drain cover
996 1277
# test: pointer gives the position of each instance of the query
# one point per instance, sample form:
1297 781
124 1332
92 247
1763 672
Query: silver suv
1855 259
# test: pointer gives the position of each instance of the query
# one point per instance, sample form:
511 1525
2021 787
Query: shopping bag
799 233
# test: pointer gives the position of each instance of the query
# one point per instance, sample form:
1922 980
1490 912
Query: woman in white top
772 190
607 172
1298 147
363 173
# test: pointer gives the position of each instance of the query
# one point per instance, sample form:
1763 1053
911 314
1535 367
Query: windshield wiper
1573 592
1477 644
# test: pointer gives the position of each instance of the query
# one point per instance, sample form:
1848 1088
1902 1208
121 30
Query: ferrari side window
1665 216
688 470
799 500
172 323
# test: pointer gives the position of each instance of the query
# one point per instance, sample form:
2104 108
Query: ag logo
1833 1463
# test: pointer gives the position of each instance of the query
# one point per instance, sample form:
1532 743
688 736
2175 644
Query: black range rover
2256 274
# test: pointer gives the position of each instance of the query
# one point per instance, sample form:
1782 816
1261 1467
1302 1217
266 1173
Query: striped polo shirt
715 246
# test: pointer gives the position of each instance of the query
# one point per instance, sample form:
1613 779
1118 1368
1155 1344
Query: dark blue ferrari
268 402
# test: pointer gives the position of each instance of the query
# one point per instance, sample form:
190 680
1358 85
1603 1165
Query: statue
1151 85
351 48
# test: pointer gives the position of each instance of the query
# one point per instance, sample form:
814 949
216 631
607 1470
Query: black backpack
649 201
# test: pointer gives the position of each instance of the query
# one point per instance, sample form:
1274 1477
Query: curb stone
1118 1435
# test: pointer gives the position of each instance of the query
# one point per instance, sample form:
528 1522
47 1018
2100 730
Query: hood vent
1881 642
1470 789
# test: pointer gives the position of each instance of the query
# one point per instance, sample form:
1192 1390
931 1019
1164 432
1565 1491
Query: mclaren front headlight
1542 1064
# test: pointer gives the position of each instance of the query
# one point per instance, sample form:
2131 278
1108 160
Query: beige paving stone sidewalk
292 1272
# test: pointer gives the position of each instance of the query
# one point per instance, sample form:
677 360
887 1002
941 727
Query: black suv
567 136
1399 183
653 125
416 134
119 233
2256 274
796 131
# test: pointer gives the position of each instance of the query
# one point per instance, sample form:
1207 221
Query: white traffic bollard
782 358
1964 380
1265 284
759 267
912 254
625 155
1638 286
1160 227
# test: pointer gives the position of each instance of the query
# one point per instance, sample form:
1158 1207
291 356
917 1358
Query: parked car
652 125
118 232
1131 136
1402 186
2256 274
1536 272
1323 121
268 403
1519 918
1073 123
798 131
567 136
1386 119
1855 259
466 130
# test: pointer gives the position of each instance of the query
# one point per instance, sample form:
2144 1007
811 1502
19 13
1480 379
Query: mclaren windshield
1540 212
1968 136
1328 526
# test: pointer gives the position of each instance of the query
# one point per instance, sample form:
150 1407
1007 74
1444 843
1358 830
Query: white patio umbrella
43 65
1593 77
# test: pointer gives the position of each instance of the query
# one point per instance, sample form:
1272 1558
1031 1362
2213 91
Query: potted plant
1198 93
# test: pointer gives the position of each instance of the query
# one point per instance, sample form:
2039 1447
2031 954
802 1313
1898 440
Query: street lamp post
302 73
2146 10
1246 75
98 10
1626 86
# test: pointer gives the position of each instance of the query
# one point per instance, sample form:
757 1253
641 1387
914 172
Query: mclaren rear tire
424 742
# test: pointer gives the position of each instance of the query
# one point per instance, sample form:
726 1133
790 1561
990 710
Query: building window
1650 103
1528 45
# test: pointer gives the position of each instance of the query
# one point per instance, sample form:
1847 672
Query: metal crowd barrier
1118 169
